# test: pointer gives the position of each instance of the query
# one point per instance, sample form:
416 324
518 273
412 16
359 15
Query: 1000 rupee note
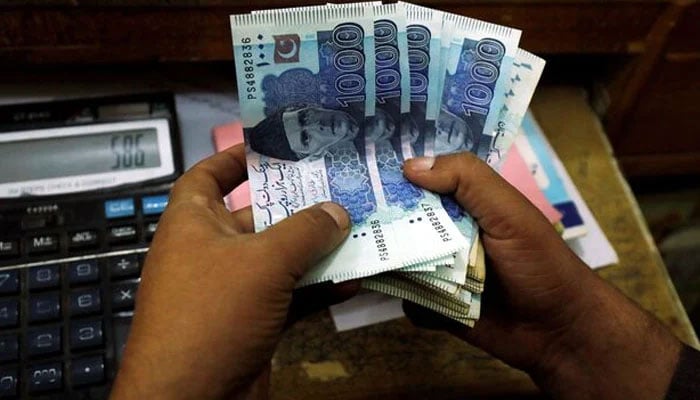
477 72
304 93
525 74
428 39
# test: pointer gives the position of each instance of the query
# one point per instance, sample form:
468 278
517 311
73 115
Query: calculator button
124 266
8 382
45 377
9 248
44 307
151 229
42 244
9 313
9 282
44 340
9 346
121 328
85 301
119 208
154 205
46 276
85 334
81 239
87 370
122 233
86 271
124 295
34 222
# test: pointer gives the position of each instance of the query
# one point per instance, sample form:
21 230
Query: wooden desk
396 360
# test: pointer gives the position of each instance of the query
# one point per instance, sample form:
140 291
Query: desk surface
396 360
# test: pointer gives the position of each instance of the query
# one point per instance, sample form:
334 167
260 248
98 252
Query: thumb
500 209
302 240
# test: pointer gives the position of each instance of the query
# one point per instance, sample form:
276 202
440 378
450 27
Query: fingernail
337 213
421 163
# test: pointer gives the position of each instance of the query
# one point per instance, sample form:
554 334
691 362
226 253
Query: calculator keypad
65 318
9 248
45 377
8 382
9 347
44 340
9 282
86 333
124 295
46 276
122 234
9 313
44 307
80 272
83 239
88 370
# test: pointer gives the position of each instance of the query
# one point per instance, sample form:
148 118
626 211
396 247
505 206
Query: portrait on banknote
294 133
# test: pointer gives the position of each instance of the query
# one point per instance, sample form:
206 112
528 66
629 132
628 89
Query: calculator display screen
78 155
79 158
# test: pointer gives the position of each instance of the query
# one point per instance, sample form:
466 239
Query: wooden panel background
104 34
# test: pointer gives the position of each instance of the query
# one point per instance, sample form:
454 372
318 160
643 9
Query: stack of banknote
334 98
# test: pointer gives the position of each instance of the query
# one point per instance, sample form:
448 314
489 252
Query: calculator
82 185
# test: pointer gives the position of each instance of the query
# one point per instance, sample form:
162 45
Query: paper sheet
593 248
365 309
515 171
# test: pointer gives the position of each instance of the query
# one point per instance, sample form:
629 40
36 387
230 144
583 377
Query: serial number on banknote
248 68
378 234
435 222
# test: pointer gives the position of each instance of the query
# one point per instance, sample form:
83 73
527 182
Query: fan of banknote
334 98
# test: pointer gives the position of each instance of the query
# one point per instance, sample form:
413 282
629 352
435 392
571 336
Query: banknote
474 70
463 267
423 37
524 76
472 278
304 96
477 71
426 53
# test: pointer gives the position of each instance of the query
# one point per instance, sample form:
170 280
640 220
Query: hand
215 297
545 311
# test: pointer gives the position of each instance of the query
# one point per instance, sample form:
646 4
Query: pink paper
224 137
515 171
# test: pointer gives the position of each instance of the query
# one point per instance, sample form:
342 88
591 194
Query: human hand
545 311
215 297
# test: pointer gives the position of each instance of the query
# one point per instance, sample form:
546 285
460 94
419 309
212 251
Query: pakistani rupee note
525 74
